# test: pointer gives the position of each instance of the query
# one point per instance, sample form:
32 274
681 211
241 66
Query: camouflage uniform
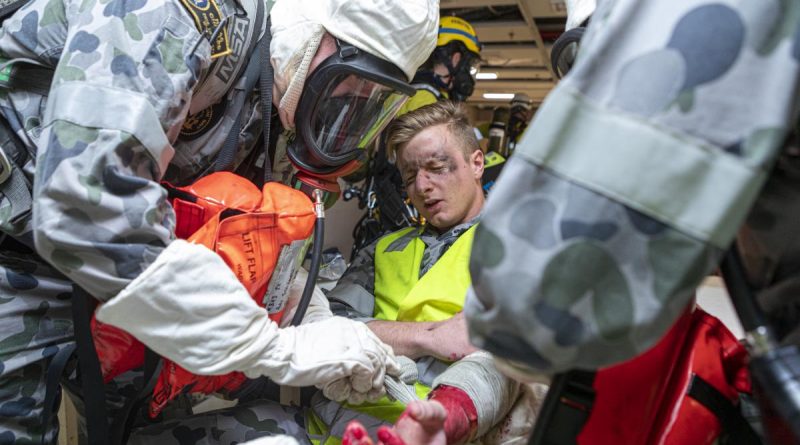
111 127
230 426
633 179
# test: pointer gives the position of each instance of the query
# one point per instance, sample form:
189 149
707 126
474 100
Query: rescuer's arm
114 109
116 106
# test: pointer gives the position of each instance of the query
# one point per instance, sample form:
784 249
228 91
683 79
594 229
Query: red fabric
117 351
644 401
462 417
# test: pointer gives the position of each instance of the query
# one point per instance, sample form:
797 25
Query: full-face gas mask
457 36
462 75
346 102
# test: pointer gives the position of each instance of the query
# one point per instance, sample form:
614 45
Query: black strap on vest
94 395
227 154
565 410
92 387
122 425
265 87
734 426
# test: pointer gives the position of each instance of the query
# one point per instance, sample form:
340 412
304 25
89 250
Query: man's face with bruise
442 184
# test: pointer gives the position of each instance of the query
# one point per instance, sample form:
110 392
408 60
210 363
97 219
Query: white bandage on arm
492 392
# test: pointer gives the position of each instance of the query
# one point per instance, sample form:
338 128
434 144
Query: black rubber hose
741 293
777 373
775 369
316 258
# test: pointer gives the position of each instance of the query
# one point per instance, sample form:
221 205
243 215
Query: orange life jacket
248 228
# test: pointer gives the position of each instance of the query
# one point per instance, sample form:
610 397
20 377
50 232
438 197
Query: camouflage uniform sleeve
121 90
632 179
354 294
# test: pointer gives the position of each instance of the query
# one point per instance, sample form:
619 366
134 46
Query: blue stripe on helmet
463 33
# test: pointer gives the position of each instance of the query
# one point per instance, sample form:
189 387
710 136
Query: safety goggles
348 99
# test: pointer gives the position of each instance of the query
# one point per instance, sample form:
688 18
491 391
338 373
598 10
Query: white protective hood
402 32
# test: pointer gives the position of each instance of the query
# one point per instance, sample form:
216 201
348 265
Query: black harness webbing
89 368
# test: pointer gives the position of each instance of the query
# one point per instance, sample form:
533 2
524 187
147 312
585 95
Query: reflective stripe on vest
401 295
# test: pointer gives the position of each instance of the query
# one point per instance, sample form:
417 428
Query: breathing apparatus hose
316 257
775 368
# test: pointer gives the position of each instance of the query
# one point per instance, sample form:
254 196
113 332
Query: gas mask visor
464 77
348 99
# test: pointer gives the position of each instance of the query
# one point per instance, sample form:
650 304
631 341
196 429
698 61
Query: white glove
189 307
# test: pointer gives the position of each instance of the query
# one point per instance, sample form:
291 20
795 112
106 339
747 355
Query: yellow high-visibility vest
402 295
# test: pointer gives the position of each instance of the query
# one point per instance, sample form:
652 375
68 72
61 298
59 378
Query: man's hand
448 340
422 423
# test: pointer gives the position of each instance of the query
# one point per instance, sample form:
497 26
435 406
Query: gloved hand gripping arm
189 307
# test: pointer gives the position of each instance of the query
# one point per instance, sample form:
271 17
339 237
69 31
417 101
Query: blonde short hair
446 112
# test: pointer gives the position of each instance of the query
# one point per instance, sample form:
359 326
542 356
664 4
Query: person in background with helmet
496 147
520 115
504 131
449 72
144 92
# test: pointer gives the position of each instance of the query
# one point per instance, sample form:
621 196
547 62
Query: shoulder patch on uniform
207 17
199 123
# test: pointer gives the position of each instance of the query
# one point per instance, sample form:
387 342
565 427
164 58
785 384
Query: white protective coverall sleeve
189 307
